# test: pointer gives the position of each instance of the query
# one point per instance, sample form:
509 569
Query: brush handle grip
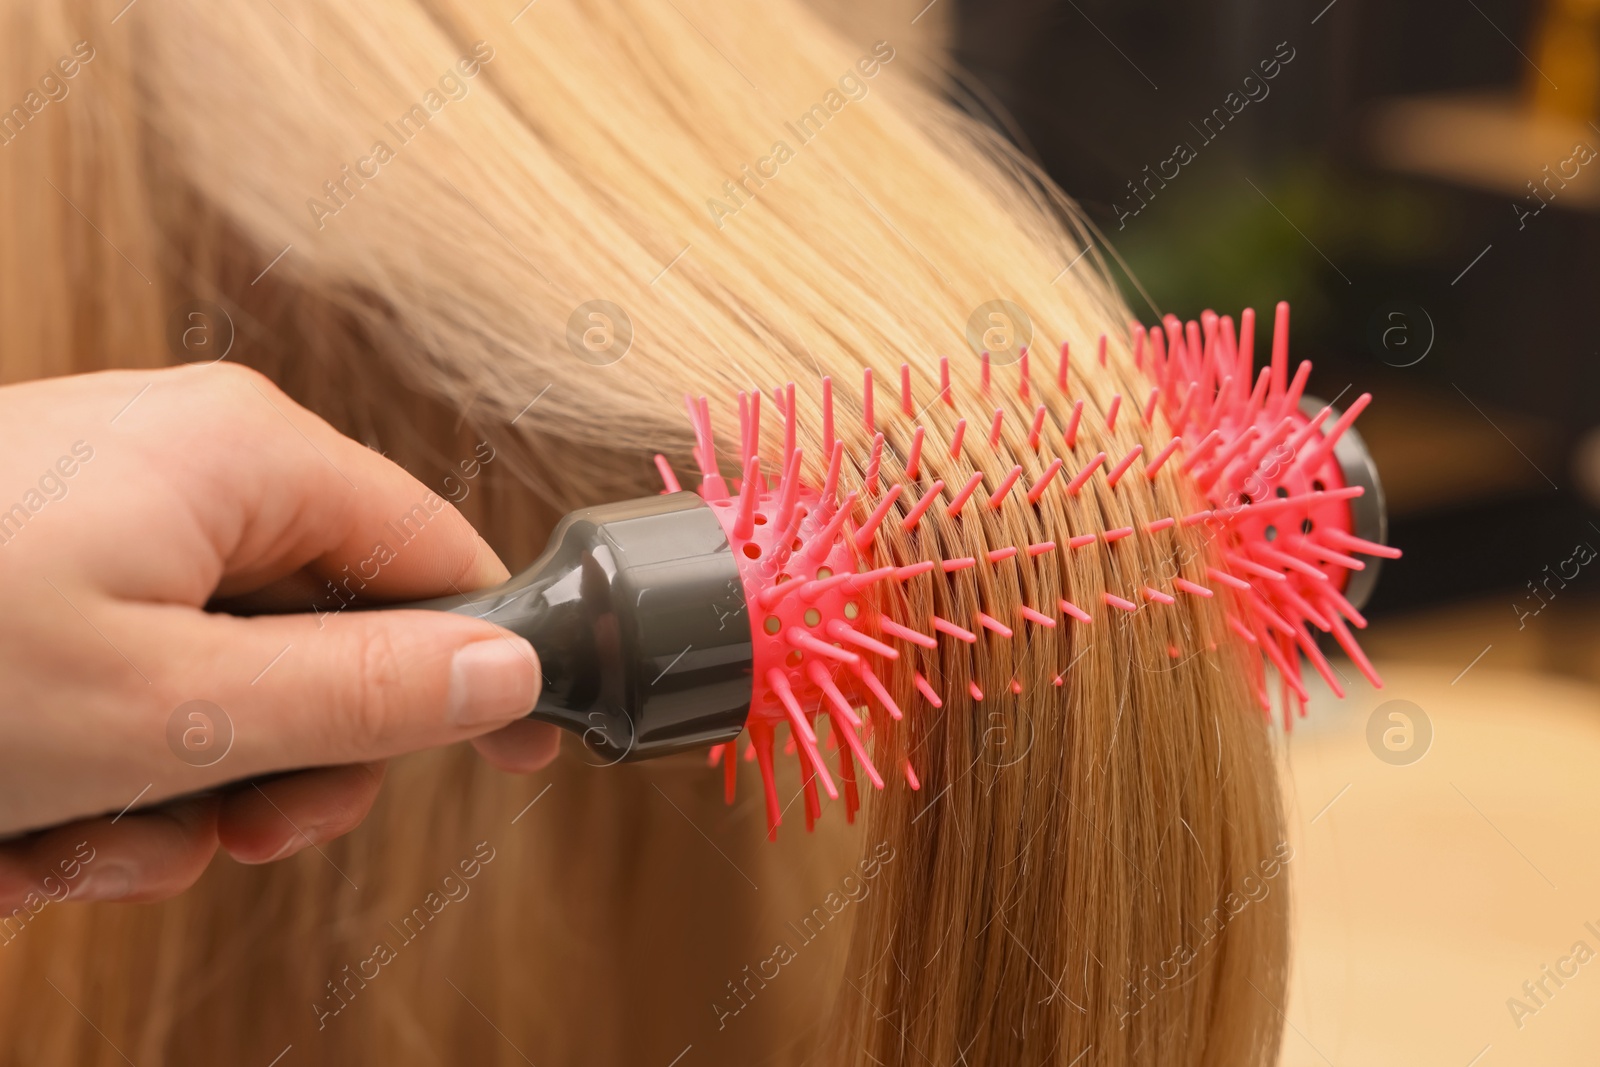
638 614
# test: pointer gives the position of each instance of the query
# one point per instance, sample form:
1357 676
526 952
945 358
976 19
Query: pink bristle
914 516
974 691
1005 487
874 462
984 373
957 437
1040 548
997 555
869 528
905 389
811 591
845 721
788 420
1082 540
914 458
1081 479
1352 648
1073 611
911 570
1157 525
862 580
843 631
944 381
1061 369
906 633
1138 346
1036 617
1156 596
1111 412
954 507
960 563
1192 587
994 427
668 478
821 543
989 622
1280 348
804 641
1228 579
1102 350
1356 544
1038 425
1297 386
1150 405
945 626
745 524
1251 567
1190 396
876 688
926 690
1070 435
847 779
1016 687
1116 473
1044 480
790 490
830 484
1112 536
1338 605
1022 374
1207 443
1118 602
1310 460
911 777
761 741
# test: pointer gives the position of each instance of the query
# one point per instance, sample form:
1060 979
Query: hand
129 501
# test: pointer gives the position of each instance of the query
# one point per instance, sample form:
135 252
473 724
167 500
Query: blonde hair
1070 845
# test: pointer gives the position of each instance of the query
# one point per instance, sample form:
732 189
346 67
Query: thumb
353 687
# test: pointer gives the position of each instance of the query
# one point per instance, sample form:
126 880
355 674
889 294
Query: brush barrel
638 615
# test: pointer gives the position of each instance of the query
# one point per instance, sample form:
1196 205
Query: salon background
1421 181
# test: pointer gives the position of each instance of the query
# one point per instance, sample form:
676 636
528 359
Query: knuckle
370 715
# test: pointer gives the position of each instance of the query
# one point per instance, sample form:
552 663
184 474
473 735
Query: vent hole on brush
1319 485
761 520
1282 492
752 550
1272 533
1306 526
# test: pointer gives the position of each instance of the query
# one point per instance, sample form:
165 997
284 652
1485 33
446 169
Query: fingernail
493 681
109 882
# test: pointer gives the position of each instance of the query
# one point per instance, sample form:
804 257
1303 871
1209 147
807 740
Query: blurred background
1421 180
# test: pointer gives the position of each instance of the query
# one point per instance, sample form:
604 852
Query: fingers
259 823
306 691
149 855
276 490
523 747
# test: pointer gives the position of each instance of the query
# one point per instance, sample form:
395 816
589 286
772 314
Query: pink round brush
1280 477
